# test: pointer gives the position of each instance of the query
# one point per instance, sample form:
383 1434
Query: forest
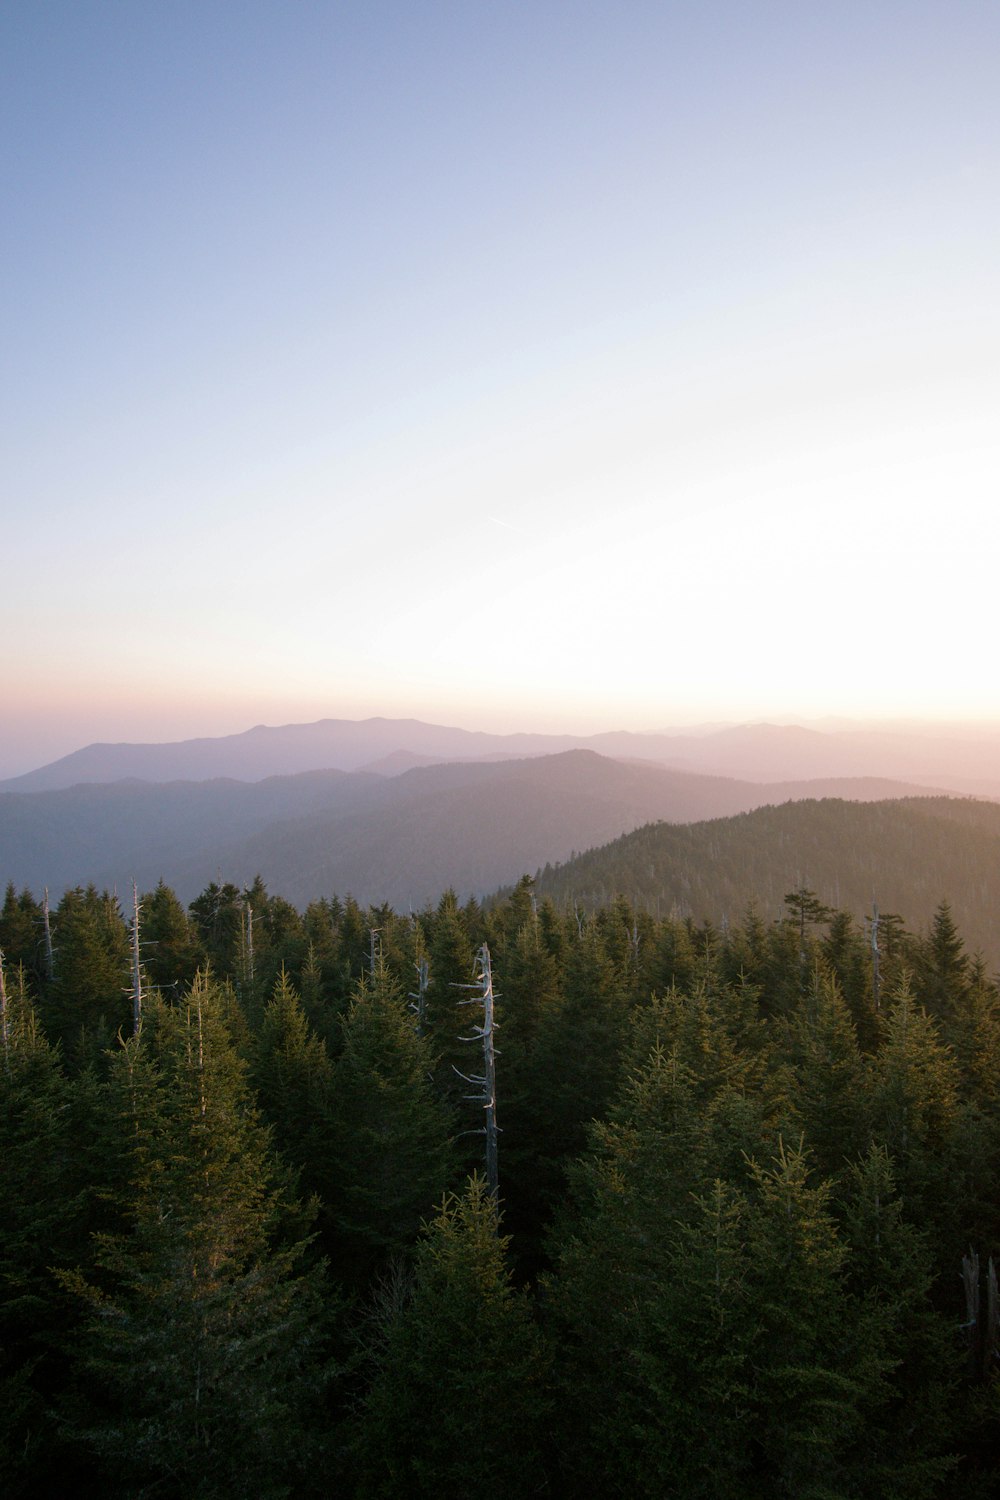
742 1247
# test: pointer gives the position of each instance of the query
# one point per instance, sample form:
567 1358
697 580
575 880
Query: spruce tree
915 1115
87 1001
292 1074
459 1400
803 1391
390 1134
42 1224
830 1093
172 952
201 1354
903 1350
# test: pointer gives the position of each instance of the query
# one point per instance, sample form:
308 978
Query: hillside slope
908 855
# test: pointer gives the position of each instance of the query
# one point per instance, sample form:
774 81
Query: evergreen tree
218 918
202 1348
390 1134
745 951
847 954
571 1074
293 1077
675 962
647 1300
830 1092
42 1223
459 1398
21 936
942 970
915 1116
88 1000
172 952
904 1349
451 964
803 1390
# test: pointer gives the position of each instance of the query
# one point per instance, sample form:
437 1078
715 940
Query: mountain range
966 760
398 838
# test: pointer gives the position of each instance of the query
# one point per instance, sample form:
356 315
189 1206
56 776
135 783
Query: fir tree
390 1134
459 1397
293 1077
172 952
202 1347
42 1223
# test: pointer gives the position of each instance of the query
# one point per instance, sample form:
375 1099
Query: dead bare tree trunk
4 1026
50 965
875 974
136 966
247 977
485 1082
419 1007
489 1077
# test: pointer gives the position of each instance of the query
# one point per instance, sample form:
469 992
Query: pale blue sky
558 365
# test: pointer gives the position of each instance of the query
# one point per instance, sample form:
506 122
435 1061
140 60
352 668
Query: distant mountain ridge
966 761
469 824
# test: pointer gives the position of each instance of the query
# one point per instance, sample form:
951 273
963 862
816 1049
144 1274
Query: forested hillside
749 1195
905 855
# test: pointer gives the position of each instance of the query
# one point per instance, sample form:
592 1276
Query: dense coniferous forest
907 852
748 1212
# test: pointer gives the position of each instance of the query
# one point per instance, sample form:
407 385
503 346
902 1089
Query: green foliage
218 918
42 1221
21 938
88 1000
292 1074
830 1094
803 1391
202 1346
171 949
390 1149
908 851
460 1396
451 965
916 1115
721 1314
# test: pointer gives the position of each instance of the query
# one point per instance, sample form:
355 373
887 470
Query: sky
558 366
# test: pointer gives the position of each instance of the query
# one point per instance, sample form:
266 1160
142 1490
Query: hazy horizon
14 767
549 370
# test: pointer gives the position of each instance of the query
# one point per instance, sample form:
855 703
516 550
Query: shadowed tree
43 1222
847 953
202 1351
390 1153
803 1390
906 1348
452 963
292 1074
88 999
218 919
172 952
830 1093
942 971
22 939
570 1075
459 1398
915 1109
